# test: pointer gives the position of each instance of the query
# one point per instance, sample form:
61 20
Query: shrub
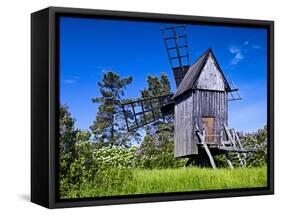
259 142
158 152
81 170
116 157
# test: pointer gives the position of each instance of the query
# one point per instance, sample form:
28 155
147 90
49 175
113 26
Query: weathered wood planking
208 98
189 112
184 130
210 77
210 104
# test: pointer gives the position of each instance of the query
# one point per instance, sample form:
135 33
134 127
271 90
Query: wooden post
204 136
188 162
202 141
221 138
210 156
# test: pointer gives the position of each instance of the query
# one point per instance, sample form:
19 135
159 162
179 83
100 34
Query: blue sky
90 47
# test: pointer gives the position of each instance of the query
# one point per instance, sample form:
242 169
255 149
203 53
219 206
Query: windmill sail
175 40
233 94
142 112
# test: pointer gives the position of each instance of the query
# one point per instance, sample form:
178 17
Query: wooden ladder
236 143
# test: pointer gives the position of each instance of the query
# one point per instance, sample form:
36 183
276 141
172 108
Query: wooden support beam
142 108
210 156
152 110
135 117
202 141
188 162
221 138
200 136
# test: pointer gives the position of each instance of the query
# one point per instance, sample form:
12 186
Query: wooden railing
210 139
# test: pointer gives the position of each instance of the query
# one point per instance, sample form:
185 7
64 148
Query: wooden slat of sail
142 112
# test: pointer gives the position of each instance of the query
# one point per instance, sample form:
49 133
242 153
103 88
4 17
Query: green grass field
195 179
138 181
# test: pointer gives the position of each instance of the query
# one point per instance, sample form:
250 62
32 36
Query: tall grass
195 179
137 181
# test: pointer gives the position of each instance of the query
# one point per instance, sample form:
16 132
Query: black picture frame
45 103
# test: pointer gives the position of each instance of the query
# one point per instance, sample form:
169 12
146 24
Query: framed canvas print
138 107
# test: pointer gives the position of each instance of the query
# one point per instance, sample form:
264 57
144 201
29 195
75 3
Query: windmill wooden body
200 99
199 105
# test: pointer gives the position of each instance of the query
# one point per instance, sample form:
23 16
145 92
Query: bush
259 142
81 167
116 157
158 152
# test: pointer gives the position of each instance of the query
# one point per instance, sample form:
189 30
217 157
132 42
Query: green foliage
67 131
220 161
157 151
67 140
109 127
77 165
116 157
104 171
83 167
110 181
259 142
156 86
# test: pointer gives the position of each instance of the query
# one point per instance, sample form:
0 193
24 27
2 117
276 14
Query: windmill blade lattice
175 40
233 94
142 112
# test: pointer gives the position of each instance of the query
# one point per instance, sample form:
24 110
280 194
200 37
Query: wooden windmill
199 105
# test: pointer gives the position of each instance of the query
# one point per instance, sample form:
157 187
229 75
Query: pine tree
109 127
165 84
67 137
157 87
157 146
67 140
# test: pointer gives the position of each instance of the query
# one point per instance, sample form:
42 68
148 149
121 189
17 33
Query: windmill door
209 126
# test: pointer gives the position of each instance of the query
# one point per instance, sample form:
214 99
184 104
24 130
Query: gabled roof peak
193 73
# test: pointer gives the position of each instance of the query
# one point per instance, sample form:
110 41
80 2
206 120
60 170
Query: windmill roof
193 73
